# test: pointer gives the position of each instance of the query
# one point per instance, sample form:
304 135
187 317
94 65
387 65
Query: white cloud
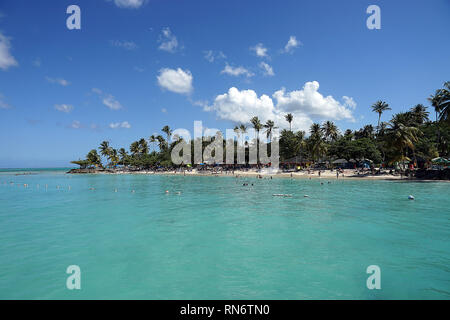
236 71
211 56
132 4
75 124
59 81
64 108
111 102
127 45
240 106
306 104
178 81
291 44
260 50
6 59
3 104
164 110
349 102
118 125
138 69
267 69
108 99
168 41
311 102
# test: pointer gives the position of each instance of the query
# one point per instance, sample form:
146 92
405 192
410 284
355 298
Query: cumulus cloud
267 69
59 81
212 56
131 4
291 44
168 41
6 59
311 102
306 104
64 108
127 45
236 71
3 104
260 50
107 99
240 106
178 81
118 125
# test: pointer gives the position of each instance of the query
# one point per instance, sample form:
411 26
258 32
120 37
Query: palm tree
317 146
123 155
315 130
161 143
402 137
243 129
367 131
441 103
289 117
330 131
238 132
379 107
113 157
257 126
167 131
270 125
105 149
152 140
134 148
93 158
420 113
143 146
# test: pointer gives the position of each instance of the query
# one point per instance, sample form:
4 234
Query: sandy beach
265 174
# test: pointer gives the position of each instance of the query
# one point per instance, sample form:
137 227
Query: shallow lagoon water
219 239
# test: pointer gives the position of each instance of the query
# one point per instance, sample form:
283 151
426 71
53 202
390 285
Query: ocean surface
218 239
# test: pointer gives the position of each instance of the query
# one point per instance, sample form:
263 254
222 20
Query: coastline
325 175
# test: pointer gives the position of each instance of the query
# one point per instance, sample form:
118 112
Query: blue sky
138 65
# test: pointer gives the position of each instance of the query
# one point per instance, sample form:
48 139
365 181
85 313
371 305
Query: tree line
408 136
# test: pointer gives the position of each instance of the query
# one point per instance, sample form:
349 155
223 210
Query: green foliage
407 135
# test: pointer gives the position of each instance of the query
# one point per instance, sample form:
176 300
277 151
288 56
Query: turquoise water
219 239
